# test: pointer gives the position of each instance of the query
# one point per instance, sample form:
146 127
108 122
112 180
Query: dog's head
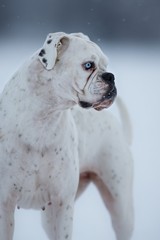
80 68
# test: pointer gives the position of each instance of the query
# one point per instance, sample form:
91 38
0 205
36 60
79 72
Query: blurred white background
130 38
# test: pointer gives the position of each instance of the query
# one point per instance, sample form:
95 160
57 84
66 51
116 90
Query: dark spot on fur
42 52
23 89
44 60
67 207
72 138
49 41
114 176
66 236
43 208
15 186
56 151
28 149
49 203
42 154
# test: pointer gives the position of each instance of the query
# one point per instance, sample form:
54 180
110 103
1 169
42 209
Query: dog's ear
53 44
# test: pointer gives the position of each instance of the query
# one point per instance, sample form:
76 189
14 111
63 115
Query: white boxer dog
44 137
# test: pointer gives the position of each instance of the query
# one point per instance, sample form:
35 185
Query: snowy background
135 61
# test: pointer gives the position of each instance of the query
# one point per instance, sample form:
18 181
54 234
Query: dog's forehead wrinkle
84 45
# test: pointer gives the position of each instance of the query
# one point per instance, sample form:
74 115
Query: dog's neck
44 86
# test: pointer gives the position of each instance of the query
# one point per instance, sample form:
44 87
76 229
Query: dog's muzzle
108 98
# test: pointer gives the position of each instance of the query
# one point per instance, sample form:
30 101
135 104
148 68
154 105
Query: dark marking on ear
49 41
44 60
42 53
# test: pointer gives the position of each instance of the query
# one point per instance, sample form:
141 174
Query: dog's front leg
6 220
57 220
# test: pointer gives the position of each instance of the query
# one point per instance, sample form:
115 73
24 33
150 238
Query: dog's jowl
54 140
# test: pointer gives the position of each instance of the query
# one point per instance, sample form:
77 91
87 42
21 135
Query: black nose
108 77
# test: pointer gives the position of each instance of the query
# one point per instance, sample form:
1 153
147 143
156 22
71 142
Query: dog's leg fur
6 220
120 208
57 220
116 193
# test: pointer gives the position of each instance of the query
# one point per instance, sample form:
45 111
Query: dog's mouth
101 105
105 102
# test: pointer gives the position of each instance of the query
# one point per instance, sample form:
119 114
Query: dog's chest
40 179
39 161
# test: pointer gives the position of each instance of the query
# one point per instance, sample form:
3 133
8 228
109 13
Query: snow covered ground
137 71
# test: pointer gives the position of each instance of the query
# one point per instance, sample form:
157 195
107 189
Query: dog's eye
89 65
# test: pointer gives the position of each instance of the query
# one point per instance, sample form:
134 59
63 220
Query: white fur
44 137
